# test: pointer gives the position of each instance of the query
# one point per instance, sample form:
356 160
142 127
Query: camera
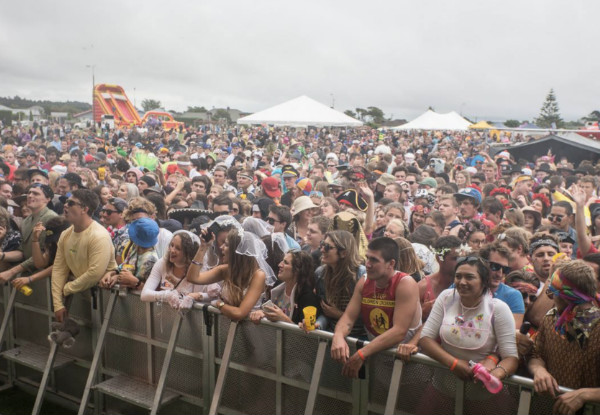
213 229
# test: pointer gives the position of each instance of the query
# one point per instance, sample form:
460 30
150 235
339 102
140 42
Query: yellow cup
26 290
310 317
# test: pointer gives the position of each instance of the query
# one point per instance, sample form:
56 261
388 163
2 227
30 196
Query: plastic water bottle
491 382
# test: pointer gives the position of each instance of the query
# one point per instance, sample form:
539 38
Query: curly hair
138 204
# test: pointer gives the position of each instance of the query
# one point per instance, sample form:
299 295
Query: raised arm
584 242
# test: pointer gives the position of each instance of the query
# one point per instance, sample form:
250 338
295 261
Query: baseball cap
429 181
468 193
270 186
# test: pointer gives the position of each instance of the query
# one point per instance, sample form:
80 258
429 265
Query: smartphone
268 304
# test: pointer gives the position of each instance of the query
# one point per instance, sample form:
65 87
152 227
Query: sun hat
302 203
143 232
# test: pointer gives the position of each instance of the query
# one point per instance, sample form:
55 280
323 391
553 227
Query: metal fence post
524 402
392 398
459 404
220 384
316 378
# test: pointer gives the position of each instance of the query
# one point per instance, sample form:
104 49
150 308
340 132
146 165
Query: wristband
500 367
30 280
196 262
361 355
493 359
453 366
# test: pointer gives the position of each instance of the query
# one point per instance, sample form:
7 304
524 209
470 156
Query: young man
468 200
561 217
523 185
388 301
38 197
497 257
85 251
317 228
280 218
449 208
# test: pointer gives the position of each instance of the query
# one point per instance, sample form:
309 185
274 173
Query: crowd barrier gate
133 357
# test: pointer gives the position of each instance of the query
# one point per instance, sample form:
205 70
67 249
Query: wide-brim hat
189 214
353 199
385 179
533 211
301 204
143 232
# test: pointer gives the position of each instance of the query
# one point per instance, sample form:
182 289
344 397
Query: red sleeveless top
377 307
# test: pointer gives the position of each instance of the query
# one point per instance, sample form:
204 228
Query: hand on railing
340 352
570 402
256 316
405 351
544 382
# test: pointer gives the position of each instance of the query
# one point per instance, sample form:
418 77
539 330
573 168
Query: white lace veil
257 226
252 245
278 238
194 237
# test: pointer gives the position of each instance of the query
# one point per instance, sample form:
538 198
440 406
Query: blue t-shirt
512 297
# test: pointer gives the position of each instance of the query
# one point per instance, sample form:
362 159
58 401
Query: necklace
460 319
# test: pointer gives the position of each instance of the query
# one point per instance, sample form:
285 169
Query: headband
246 175
47 190
542 242
524 287
563 288
184 163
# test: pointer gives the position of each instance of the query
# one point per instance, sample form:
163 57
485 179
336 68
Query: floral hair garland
542 198
440 253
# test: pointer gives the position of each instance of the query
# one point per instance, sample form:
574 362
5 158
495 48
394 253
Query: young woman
168 274
245 274
302 211
472 325
329 207
296 272
337 277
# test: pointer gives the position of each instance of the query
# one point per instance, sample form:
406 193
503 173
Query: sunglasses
558 218
71 203
326 247
411 183
494 266
532 297
109 212
467 260
272 221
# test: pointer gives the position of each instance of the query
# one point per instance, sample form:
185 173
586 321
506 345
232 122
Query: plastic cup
26 290
310 317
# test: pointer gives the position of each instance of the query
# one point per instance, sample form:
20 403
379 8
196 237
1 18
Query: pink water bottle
491 382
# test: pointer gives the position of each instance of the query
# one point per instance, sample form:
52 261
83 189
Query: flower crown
440 253
542 198
500 191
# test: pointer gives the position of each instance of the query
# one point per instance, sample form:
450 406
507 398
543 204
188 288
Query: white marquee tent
300 112
431 120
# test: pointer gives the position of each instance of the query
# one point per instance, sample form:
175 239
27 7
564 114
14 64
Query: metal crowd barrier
131 355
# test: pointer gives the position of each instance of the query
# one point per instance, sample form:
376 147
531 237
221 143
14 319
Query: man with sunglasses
85 251
38 197
561 217
388 302
280 217
111 216
497 256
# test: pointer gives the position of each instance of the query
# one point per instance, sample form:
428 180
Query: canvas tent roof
300 112
481 125
571 145
431 120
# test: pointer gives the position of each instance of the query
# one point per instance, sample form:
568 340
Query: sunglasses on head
467 260
494 266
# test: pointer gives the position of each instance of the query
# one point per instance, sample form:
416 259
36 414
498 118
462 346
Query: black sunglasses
109 212
558 218
494 266
326 247
72 203
532 297
272 221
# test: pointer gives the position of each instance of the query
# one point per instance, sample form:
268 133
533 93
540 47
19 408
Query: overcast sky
492 60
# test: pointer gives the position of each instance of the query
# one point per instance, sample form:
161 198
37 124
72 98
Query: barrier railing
218 366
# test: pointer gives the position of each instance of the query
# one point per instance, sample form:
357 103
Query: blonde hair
339 278
138 203
408 261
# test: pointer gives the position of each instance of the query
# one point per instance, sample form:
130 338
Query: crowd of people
424 241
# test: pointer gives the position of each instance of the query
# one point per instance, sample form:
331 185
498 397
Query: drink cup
310 317
26 290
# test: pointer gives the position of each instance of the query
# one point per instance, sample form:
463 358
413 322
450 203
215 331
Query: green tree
196 109
150 104
350 113
593 116
361 113
377 115
549 113
221 114
512 123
